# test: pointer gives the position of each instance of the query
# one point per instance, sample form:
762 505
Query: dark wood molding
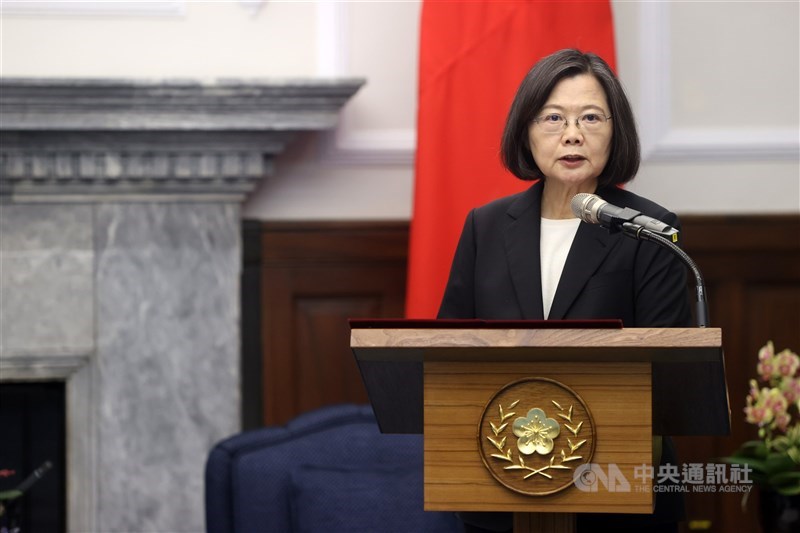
334 242
707 233
251 346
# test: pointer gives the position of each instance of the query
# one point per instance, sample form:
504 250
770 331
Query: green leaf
758 448
758 465
777 463
788 491
786 483
752 448
8 495
769 465
794 453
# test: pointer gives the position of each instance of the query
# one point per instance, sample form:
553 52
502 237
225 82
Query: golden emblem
533 434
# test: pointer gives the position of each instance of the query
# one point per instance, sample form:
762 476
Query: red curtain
473 55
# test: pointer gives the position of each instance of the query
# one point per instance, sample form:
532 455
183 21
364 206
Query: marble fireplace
120 260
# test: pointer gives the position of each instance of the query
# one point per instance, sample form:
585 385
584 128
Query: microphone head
585 206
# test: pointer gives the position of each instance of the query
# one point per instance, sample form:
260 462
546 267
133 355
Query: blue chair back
329 470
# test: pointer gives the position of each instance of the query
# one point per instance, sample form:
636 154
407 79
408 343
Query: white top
554 244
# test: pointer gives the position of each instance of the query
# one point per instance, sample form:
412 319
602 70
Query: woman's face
573 156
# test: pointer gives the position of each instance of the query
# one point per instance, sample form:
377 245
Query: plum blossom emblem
546 449
535 432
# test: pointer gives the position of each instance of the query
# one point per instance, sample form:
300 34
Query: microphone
594 210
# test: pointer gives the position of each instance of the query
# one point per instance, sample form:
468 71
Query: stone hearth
120 260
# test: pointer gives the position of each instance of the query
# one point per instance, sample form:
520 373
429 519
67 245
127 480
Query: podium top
470 341
390 356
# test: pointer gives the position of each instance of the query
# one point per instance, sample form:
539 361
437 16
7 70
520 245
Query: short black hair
532 94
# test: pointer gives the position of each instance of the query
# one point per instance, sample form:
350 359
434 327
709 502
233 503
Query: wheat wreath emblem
536 434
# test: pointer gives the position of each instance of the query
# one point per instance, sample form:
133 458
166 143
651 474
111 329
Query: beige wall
715 85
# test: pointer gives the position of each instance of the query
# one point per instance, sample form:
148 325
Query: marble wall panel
167 358
46 280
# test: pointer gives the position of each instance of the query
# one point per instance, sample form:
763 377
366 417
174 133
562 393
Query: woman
527 257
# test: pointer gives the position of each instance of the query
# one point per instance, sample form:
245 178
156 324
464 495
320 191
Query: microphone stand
701 306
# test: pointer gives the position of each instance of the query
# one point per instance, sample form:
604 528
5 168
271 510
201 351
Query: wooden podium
542 419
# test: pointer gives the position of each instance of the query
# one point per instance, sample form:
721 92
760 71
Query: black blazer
496 275
496 270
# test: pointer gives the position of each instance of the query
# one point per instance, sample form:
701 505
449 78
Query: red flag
473 56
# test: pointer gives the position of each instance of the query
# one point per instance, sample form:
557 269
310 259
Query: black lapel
522 249
589 249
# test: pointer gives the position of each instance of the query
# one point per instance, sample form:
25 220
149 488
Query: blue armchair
330 470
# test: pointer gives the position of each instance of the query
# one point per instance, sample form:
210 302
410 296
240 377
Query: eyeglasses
555 123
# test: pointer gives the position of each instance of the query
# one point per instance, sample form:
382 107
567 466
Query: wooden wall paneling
750 264
279 379
314 277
